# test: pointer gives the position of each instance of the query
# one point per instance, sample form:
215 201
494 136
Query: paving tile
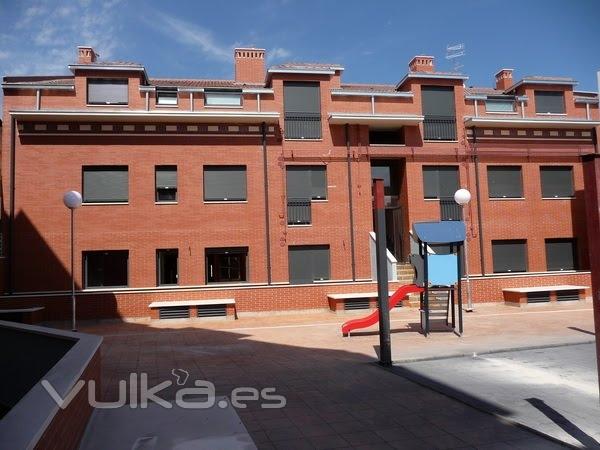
328 442
282 434
362 438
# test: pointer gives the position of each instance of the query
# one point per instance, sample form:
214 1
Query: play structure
437 267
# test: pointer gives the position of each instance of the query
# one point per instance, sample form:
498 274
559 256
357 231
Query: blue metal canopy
445 232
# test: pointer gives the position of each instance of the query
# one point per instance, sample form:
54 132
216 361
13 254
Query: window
561 254
302 105
308 263
223 98
224 183
389 172
306 182
166 183
226 265
105 91
440 116
557 182
440 181
166 96
106 268
167 266
498 105
394 136
505 182
509 256
549 102
105 184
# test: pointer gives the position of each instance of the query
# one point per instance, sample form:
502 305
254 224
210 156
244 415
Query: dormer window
549 102
166 96
499 105
223 98
107 91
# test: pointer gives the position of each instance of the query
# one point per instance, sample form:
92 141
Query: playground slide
373 318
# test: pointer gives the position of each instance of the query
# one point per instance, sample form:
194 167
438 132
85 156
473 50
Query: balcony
439 128
302 125
299 211
449 209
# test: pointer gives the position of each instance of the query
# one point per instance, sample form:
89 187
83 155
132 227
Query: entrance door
393 228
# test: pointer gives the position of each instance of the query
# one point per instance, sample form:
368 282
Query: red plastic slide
373 318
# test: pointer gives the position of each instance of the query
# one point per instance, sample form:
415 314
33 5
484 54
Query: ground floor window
561 254
167 265
106 268
308 263
226 265
509 255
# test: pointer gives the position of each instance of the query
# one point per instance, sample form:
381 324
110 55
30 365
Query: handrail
392 262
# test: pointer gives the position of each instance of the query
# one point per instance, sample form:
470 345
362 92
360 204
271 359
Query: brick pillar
591 178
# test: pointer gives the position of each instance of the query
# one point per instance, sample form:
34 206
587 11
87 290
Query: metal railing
298 211
449 209
439 128
302 125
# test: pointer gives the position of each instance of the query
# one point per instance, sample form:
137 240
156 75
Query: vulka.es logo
136 393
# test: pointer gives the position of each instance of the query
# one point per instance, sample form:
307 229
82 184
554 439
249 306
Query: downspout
478 191
11 214
350 202
38 99
595 140
267 225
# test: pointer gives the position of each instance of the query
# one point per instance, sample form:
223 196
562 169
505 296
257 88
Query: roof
441 75
444 232
199 83
306 66
472 90
534 78
49 80
367 87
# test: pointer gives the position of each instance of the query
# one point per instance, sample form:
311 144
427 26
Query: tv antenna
454 53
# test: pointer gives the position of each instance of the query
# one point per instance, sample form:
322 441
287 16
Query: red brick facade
51 146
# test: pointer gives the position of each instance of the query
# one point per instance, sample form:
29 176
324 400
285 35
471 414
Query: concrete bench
352 301
29 316
544 294
202 309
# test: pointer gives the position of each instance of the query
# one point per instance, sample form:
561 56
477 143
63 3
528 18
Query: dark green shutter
225 183
299 97
306 182
505 182
440 181
437 100
308 263
509 256
557 182
549 102
102 184
166 177
561 254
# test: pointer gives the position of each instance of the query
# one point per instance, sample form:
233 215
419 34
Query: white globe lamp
462 197
72 199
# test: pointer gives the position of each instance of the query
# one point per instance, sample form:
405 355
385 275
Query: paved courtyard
336 396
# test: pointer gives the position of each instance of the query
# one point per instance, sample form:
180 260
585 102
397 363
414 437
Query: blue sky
373 40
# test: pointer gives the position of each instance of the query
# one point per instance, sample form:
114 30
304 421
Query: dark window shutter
549 102
298 183
308 263
224 183
318 177
505 182
106 268
561 254
431 182
509 256
437 100
440 181
301 97
557 182
108 91
166 176
105 184
320 262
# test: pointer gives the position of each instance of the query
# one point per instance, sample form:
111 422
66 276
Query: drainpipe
266 177
478 190
595 139
38 99
11 214
191 101
350 202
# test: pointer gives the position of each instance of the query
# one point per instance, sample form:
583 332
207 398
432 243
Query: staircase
406 275
438 308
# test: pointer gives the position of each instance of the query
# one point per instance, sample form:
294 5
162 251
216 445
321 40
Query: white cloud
4 54
278 53
45 34
191 34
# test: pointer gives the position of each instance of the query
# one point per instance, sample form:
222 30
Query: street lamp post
463 197
72 200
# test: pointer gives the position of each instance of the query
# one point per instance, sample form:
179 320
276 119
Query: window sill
166 286
508 113
227 283
165 203
441 141
319 200
166 106
431 199
505 199
572 197
300 225
223 106
387 145
224 202
108 106
103 203
103 288
304 140
550 114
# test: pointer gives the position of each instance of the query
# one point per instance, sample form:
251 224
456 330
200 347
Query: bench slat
564 287
217 301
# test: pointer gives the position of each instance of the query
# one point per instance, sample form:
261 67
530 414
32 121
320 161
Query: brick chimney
421 64
504 79
249 65
86 55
